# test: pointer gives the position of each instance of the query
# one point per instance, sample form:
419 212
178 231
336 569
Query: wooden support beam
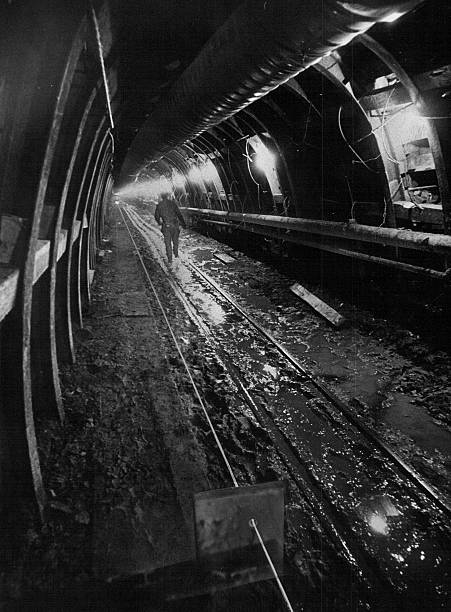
433 79
13 232
9 276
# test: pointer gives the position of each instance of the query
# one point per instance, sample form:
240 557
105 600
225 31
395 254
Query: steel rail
252 522
407 469
331 519
315 496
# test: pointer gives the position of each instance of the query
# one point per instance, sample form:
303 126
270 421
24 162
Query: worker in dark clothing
169 218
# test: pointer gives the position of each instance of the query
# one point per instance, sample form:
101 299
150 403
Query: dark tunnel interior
225 246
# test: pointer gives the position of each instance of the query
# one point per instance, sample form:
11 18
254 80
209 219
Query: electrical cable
307 123
351 213
384 135
384 214
362 161
102 65
248 158
252 522
182 357
378 127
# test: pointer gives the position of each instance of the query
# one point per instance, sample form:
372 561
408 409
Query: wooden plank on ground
224 258
326 311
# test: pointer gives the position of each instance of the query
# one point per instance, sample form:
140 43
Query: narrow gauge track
403 504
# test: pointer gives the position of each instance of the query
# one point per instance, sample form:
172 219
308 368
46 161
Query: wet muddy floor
359 367
135 447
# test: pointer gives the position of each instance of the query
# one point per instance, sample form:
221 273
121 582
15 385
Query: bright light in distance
195 175
264 159
164 185
209 172
178 180
392 17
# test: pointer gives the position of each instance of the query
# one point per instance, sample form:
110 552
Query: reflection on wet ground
400 533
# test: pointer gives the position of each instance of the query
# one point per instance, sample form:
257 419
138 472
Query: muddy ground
121 471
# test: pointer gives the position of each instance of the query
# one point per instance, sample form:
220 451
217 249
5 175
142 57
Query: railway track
369 502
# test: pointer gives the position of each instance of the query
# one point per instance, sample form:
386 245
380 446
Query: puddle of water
210 307
415 422
271 370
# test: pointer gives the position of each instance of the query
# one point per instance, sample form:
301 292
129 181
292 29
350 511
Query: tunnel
225 366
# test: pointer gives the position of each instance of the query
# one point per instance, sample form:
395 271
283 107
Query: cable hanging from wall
248 160
104 75
362 161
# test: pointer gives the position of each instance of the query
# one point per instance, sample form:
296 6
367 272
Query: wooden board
224 258
9 276
321 307
8 288
75 231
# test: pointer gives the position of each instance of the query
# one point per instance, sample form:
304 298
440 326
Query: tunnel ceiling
155 41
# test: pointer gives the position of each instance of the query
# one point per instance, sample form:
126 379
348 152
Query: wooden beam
318 305
12 237
9 276
426 81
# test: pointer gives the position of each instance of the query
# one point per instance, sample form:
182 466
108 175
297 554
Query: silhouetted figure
169 217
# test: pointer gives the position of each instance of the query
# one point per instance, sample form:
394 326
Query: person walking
169 218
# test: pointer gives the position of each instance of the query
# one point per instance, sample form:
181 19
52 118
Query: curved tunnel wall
55 180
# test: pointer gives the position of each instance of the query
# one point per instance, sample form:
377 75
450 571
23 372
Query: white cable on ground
196 391
252 522
102 64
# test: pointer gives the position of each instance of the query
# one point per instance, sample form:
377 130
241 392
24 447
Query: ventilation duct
263 44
